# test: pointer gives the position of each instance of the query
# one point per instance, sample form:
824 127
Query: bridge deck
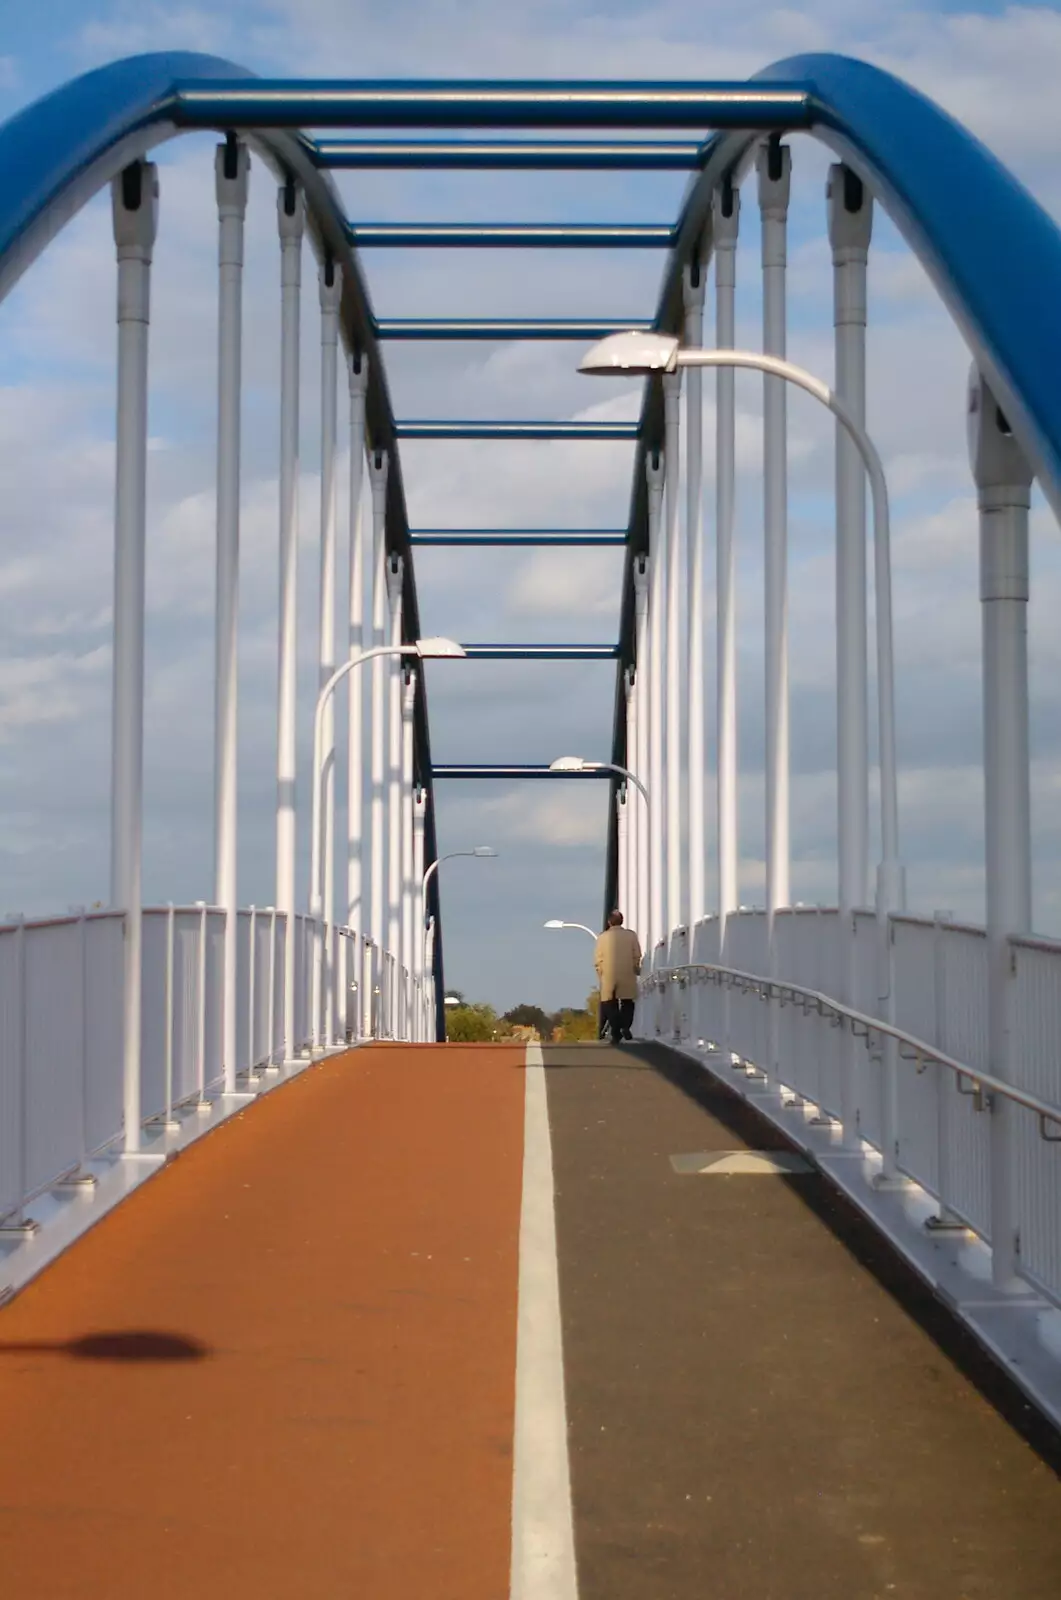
286 1365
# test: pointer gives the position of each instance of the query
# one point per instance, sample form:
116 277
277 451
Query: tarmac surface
763 1404
285 1367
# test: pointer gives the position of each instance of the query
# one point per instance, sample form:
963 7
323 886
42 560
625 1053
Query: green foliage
572 1025
526 1016
470 1024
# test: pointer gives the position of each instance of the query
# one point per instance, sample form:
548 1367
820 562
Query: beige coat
617 959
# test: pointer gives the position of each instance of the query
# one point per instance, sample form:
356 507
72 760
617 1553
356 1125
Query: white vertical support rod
672 395
641 756
774 169
657 627
134 197
395 567
232 169
291 217
331 294
628 898
419 821
355 799
724 228
774 165
1003 481
694 284
378 466
622 828
850 210
408 911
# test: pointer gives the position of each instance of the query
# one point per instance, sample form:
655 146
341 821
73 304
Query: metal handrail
917 1049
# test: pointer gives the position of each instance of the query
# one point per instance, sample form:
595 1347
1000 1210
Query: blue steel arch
992 252
62 149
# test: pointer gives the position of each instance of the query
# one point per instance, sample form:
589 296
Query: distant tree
470 1024
526 1016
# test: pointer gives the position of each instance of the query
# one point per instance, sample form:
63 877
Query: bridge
452 1320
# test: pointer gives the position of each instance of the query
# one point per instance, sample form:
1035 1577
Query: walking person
617 959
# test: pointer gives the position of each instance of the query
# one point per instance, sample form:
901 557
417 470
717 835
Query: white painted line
543 1540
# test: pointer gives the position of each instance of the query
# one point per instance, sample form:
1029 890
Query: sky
995 67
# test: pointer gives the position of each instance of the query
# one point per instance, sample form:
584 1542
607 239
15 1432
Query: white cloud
56 472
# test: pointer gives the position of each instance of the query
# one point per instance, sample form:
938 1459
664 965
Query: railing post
171 955
82 951
19 1223
232 166
203 1104
850 212
291 221
419 823
134 195
395 570
367 990
1003 480
408 897
272 1066
946 1218
252 998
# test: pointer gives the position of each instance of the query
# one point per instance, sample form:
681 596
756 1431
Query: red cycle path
286 1366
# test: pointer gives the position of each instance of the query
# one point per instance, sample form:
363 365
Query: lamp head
440 650
484 851
451 1000
637 353
553 922
568 764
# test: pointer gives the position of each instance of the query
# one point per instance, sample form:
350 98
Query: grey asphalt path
763 1402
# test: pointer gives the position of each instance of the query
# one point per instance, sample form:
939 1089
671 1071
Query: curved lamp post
578 764
482 852
643 354
554 923
648 353
426 649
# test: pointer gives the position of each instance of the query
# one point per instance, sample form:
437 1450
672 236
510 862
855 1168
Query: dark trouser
617 1015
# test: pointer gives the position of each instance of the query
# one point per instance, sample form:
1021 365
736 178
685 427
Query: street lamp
482 852
645 353
427 650
553 923
578 764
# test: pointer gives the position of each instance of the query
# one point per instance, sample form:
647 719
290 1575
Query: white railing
61 1026
790 1024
